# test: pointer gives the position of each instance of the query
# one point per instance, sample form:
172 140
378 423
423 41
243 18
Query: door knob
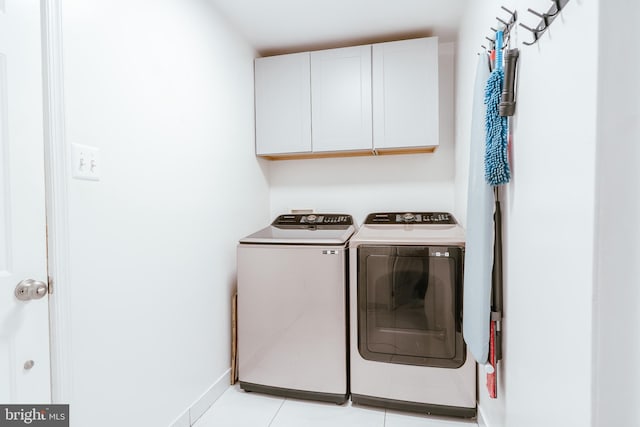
29 289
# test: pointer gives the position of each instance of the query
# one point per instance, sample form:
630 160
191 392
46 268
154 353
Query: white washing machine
407 350
292 293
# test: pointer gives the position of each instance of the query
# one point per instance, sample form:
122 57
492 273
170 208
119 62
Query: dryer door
410 305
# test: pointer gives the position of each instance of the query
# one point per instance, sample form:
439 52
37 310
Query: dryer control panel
313 220
396 218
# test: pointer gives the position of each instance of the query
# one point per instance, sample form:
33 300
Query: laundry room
139 243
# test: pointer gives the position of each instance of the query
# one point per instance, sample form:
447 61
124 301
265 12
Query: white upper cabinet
283 104
341 99
405 94
361 100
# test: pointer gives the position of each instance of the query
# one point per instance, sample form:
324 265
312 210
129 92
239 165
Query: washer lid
309 229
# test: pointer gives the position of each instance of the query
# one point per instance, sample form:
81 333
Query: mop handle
499 38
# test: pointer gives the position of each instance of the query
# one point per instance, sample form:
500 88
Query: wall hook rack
508 25
512 19
545 20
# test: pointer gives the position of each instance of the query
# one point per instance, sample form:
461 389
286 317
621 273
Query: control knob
408 217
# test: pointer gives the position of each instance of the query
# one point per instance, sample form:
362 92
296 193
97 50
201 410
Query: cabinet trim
332 154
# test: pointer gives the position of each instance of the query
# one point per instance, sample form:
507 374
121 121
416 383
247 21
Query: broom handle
497 278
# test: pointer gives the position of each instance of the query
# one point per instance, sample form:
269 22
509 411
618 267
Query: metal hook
514 14
508 25
505 23
506 41
558 9
544 16
533 31
512 19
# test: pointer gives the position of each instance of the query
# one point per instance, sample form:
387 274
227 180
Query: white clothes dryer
292 293
407 350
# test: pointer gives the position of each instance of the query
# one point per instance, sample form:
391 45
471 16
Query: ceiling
282 26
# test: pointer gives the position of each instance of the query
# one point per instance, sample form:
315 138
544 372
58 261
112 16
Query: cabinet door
405 94
283 104
341 99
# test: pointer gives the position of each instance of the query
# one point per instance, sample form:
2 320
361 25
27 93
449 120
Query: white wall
548 209
360 185
165 90
617 295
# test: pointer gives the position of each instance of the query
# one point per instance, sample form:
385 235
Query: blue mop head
496 162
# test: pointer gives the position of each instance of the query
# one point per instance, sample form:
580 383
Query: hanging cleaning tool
495 342
497 171
507 106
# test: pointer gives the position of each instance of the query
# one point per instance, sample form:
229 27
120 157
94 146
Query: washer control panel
395 218
315 219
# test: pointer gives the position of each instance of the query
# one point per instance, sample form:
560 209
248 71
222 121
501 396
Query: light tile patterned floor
236 408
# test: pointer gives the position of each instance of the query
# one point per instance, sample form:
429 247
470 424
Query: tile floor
236 408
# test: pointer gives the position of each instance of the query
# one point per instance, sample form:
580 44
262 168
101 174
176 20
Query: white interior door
24 325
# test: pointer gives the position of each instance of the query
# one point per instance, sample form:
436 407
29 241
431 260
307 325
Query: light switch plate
85 162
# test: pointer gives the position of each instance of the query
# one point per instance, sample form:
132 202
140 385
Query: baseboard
208 397
182 421
482 422
203 403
